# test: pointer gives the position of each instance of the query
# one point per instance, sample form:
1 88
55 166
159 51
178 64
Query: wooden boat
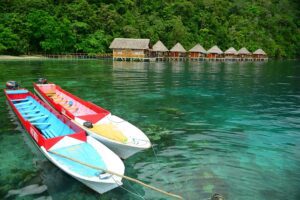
65 144
117 134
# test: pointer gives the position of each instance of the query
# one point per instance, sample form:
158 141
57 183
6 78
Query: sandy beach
23 57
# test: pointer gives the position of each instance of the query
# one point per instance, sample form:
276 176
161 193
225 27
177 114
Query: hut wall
245 56
230 56
174 54
159 54
259 56
194 54
117 52
214 55
129 53
182 54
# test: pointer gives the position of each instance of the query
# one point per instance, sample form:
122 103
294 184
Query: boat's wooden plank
27 107
40 123
33 115
37 118
14 100
24 103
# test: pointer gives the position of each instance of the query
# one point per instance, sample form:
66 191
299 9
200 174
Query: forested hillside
66 26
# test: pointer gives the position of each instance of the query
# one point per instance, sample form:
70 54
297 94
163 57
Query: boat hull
100 186
122 150
137 140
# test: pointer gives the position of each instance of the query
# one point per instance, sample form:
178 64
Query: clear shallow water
231 128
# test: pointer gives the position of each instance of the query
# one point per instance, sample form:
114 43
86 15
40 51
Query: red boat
119 135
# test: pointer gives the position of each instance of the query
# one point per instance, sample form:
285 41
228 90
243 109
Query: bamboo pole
120 175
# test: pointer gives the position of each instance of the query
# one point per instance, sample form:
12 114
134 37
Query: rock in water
28 190
217 197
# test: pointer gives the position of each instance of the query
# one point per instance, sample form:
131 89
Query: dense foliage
65 26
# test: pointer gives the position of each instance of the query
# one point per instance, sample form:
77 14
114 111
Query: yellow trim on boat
109 131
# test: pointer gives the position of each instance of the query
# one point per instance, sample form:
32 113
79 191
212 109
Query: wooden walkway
78 56
146 59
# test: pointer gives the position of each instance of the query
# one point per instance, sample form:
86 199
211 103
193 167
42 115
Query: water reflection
228 128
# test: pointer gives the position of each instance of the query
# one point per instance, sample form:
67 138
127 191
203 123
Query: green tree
8 40
94 43
68 26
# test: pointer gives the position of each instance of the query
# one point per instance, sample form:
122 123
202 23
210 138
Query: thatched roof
198 48
215 49
178 48
159 46
231 50
259 52
243 51
129 43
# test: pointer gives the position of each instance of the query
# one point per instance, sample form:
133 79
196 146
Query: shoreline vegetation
89 26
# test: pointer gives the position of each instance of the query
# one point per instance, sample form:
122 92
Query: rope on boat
159 163
127 190
120 175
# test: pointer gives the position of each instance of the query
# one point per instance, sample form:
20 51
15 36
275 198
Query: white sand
5 57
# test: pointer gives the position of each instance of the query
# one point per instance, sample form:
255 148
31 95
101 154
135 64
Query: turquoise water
227 128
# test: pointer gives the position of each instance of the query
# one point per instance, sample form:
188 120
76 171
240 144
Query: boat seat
24 103
14 100
37 124
50 94
38 118
72 109
33 115
32 111
29 111
26 107
42 126
55 96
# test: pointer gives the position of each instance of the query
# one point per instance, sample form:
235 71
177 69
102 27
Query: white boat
116 133
65 144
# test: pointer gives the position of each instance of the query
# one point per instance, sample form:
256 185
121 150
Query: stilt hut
244 54
197 52
177 52
259 54
159 51
214 53
130 49
230 54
